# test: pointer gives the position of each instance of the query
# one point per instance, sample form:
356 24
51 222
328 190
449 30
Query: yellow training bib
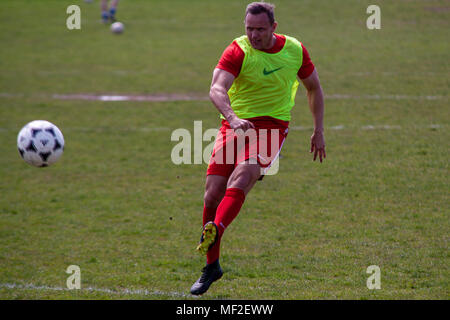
267 83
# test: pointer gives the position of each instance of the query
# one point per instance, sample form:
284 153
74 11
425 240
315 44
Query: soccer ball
117 27
40 143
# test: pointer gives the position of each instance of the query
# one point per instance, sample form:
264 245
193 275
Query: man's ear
274 26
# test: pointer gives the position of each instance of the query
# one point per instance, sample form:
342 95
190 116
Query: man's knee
212 198
244 176
214 191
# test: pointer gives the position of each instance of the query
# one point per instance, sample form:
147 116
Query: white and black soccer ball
40 143
117 27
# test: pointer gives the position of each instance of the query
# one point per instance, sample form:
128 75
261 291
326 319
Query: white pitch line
176 97
121 129
144 292
187 97
367 127
292 128
382 127
382 97
146 98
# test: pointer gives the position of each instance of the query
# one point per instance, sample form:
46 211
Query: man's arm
316 105
221 83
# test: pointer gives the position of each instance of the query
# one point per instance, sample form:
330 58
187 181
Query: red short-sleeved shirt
233 56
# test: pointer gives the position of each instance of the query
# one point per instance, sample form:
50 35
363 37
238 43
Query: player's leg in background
104 9
113 9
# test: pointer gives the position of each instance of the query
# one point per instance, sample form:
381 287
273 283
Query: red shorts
261 145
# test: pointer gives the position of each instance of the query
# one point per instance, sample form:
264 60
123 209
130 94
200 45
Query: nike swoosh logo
265 72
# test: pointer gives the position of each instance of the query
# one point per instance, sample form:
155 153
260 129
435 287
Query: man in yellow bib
253 87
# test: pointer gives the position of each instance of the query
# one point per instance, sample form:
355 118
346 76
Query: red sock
227 210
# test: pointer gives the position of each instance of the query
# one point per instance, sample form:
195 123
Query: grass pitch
116 205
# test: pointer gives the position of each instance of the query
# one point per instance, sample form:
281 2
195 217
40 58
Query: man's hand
318 145
237 123
316 105
221 83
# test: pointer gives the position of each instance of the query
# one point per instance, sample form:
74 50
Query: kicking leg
214 192
239 184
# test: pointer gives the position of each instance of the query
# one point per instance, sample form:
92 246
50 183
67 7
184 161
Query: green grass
117 206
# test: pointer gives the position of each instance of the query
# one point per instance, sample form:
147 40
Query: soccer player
109 14
253 87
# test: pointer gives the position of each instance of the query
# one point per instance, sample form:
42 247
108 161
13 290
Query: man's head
260 24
